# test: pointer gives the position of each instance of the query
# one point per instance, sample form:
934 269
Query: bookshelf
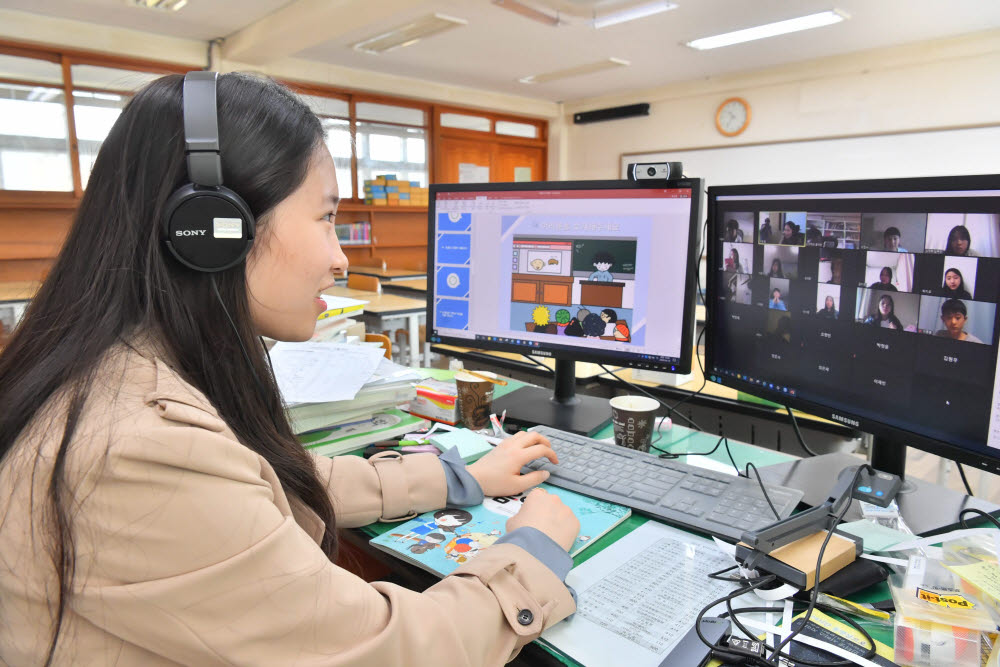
398 234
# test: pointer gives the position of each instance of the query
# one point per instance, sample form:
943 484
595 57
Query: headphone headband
201 128
206 226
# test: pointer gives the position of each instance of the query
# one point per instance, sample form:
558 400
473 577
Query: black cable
869 652
704 380
260 386
973 510
643 391
538 363
961 471
766 497
798 433
846 499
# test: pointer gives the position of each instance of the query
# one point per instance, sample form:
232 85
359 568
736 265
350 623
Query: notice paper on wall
638 597
473 173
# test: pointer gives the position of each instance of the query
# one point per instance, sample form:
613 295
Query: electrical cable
776 651
538 363
253 372
643 391
846 500
757 474
973 510
961 472
798 433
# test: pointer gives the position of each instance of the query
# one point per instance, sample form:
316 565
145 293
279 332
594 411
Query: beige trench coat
188 551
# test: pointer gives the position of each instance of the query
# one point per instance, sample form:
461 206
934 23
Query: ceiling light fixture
165 5
528 12
589 68
770 30
408 34
633 13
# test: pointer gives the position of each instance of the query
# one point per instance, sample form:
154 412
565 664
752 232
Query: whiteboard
937 153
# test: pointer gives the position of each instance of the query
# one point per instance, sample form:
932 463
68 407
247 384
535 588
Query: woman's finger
533 452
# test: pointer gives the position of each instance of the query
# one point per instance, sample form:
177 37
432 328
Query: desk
388 275
18 290
676 439
417 287
385 307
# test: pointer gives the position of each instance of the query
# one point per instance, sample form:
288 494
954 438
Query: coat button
525 617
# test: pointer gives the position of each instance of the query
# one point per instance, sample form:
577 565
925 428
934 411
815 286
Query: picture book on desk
441 540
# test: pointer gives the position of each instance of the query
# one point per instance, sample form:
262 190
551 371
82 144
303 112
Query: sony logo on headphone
190 232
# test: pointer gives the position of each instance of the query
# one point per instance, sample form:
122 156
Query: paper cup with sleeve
475 399
634 418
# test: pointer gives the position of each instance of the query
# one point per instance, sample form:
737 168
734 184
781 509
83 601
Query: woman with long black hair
157 508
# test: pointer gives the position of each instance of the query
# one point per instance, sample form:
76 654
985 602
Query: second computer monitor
588 270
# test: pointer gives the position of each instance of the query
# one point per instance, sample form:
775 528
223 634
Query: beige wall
943 84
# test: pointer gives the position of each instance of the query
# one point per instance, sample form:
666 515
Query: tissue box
436 400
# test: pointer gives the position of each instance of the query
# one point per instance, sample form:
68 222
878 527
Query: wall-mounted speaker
612 113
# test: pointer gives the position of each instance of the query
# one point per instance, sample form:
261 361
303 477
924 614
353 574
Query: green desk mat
676 439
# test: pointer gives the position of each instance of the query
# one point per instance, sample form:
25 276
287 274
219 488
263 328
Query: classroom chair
367 283
384 340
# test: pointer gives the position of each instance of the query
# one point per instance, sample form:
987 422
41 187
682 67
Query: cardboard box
436 400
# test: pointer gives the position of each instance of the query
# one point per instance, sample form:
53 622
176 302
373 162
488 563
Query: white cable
816 643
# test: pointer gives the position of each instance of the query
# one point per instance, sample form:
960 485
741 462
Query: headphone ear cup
208 228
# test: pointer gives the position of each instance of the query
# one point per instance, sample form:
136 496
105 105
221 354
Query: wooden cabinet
398 235
548 290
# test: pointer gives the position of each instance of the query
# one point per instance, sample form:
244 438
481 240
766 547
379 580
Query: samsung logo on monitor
844 420
541 353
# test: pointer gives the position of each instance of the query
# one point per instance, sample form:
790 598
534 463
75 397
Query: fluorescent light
633 13
527 12
408 34
770 30
589 68
171 5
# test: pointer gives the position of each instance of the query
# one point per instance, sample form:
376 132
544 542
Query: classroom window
34 137
391 149
513 129
338 140
99 95
387 113
461 121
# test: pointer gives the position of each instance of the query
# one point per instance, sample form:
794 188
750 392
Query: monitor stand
925 507
561 409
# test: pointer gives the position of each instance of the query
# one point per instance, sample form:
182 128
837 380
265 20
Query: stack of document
330 385
336 323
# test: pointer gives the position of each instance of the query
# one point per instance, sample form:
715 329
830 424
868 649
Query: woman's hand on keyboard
547 513
499 472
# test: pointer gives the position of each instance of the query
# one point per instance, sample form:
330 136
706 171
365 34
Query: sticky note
471 446
876 536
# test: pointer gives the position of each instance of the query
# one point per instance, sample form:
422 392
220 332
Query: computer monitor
599 271
869 303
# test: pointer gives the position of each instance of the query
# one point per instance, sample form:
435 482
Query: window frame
67 57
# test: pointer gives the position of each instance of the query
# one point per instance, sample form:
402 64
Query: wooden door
451 153
518 163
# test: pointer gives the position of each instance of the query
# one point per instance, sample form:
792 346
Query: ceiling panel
498 47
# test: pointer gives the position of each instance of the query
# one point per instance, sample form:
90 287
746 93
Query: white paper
639 597
321 372
473 173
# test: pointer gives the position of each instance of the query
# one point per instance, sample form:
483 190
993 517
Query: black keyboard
679 493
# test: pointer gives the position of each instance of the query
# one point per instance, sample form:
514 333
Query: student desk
388 275
387 307
18 290
416 287
675 439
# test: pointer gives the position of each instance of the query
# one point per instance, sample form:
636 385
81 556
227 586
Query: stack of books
336 323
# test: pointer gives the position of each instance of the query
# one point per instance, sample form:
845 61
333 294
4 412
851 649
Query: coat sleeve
184 549
388 486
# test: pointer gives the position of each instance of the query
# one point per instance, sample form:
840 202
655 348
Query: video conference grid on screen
571 268
882 304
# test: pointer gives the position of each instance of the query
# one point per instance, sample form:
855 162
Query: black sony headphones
206 226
